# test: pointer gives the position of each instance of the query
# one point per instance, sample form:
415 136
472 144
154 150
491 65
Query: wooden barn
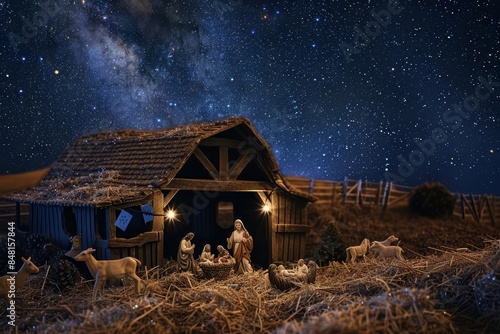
137 193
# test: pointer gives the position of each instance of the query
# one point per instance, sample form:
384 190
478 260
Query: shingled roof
112 167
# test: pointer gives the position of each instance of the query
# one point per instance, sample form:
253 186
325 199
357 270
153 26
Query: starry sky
406 91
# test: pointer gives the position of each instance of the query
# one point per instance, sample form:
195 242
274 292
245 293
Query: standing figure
206 255
242 244
185 258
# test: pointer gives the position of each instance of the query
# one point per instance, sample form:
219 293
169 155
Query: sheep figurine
107 269
388 241
354 251
386 251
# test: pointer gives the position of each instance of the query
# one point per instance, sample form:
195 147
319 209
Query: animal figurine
354 251
107 269
6 281
76 246
387 251
388 241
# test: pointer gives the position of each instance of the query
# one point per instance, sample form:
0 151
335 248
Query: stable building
138 192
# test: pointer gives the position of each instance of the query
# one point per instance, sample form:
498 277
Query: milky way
404 91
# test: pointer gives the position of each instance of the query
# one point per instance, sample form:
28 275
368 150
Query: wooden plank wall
471 207
8 213
148 253
289 227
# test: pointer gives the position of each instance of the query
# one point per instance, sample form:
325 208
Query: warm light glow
266 208
170 214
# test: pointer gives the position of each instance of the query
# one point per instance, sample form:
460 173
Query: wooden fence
477 208
9 213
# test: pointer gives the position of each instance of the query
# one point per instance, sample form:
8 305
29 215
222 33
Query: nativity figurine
241 242
206 255
185 257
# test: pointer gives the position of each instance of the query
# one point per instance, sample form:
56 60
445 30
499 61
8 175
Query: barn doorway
208 219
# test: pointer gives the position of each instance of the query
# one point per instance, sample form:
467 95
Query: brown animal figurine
107 269
387 251
7 281
354 251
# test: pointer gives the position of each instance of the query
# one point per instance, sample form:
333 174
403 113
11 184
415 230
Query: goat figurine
7 281
354 251
386 251
107 269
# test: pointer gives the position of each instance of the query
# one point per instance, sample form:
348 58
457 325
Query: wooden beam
112 219
158 210
206 163
291 228
264 197
216 185
240 164
137 241
231 143
168 197
223 163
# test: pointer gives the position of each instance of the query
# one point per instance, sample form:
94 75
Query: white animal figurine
387 251
354 251
6 281
107 269
388 241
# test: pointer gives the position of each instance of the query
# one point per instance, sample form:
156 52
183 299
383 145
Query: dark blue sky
406 91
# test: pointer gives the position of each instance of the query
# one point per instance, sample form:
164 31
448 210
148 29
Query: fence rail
471 207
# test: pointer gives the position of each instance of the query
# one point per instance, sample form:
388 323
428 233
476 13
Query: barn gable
116 167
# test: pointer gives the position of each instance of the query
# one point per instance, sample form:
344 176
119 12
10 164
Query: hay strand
452 291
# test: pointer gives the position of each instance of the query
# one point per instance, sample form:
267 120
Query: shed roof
113 167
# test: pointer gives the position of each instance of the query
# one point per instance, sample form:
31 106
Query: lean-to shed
137 193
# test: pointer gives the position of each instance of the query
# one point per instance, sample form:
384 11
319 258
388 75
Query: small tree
324 242
432 200
331 246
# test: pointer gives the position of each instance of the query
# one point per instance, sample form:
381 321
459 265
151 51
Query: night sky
406 91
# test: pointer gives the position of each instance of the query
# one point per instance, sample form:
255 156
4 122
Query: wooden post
112 219
333 195
474 209
359 200
275 248
18 213
223 163
387 195
379 191
158 225
344 191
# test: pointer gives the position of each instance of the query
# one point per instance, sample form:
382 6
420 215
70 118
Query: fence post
379 190
344 191
18 213
387 194
358 194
